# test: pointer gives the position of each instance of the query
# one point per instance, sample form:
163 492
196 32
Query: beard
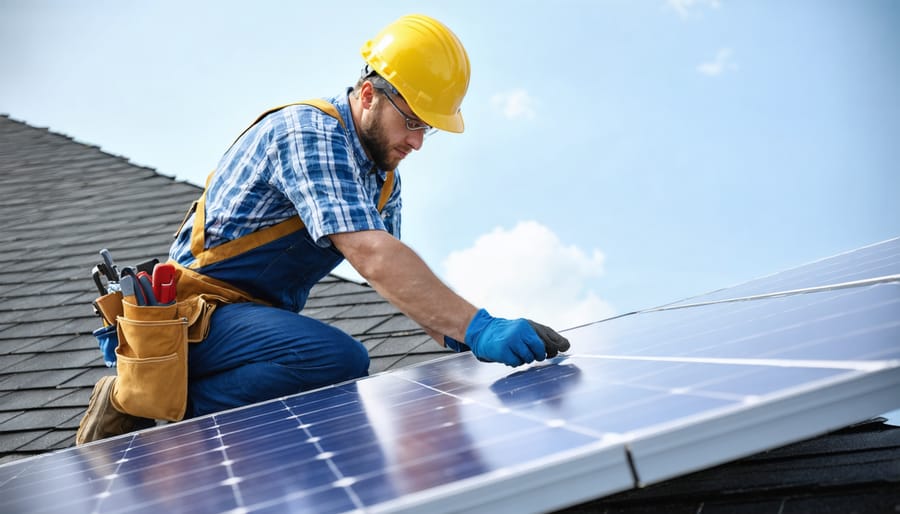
375 141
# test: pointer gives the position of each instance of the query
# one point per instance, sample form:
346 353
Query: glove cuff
476 326
455 345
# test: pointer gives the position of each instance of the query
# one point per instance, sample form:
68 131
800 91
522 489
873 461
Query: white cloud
722 62
516 104
528 272
685 8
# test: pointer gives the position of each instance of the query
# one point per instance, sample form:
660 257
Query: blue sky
618 154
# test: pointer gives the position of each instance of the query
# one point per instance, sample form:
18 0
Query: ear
367 95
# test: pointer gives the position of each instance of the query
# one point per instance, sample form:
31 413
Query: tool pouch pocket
110 306
152 362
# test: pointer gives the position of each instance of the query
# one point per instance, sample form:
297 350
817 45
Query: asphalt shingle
16 440
356 326
55 360
41 418
38 379
30 399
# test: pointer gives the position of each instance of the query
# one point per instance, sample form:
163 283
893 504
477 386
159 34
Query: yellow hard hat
428 66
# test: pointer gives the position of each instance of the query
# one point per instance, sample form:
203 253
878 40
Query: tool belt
148 343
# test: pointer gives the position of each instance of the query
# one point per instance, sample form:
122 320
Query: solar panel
864 264
639 399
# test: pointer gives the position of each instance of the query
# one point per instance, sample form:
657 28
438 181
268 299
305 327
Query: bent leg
255 353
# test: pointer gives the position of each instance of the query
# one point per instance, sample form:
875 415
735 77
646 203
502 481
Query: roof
61 201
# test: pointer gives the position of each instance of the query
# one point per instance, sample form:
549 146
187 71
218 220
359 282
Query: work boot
102 420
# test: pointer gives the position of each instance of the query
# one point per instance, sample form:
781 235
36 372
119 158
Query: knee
336 359
343 355
355 360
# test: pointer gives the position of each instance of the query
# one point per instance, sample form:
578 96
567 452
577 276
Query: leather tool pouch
152 362
148 344
152 355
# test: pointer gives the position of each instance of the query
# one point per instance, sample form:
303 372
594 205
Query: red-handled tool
164 283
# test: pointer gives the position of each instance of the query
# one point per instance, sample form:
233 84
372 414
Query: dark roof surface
61 201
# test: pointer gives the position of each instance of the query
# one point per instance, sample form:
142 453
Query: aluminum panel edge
544 486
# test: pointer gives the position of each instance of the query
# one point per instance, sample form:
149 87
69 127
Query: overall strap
322 105
268 234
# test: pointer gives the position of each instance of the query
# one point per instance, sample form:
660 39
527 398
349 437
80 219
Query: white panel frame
552 483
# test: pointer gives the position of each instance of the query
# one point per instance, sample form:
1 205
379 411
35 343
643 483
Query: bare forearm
403 278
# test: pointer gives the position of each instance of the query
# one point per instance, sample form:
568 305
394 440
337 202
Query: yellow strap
322 105
386 189
268 234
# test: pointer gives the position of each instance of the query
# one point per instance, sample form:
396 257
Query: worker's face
384 133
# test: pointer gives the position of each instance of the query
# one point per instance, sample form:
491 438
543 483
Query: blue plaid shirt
297 160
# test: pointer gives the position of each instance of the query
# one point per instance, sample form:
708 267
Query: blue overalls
254 351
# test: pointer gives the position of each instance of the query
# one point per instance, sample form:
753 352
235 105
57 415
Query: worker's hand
512 341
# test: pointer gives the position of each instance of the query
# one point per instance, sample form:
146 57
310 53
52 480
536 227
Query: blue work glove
511 341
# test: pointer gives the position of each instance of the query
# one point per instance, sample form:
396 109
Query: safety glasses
411 122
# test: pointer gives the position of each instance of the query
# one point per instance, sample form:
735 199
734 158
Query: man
304 187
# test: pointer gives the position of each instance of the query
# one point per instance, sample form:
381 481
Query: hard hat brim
446 123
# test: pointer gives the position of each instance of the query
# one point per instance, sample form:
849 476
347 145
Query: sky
618 155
